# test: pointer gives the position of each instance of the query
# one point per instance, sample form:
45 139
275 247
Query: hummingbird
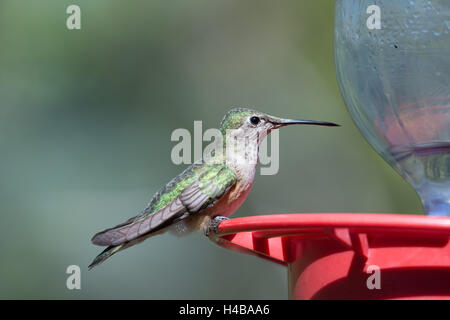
207 192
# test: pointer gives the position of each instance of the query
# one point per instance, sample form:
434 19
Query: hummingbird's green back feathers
195 189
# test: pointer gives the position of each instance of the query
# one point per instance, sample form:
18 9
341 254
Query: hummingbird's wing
197 188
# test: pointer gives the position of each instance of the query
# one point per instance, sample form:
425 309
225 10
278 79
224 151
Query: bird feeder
393 68
350 256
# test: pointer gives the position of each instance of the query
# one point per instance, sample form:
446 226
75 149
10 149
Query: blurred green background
85 124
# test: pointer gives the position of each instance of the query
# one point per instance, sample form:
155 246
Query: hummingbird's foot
214 224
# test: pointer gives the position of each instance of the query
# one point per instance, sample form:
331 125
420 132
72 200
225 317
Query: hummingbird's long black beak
287 122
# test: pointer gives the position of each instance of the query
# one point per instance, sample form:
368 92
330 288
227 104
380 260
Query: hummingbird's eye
255 120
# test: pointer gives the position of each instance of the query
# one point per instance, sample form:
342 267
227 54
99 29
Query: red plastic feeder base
350 256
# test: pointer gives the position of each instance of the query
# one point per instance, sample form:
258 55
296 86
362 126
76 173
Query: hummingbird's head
243 122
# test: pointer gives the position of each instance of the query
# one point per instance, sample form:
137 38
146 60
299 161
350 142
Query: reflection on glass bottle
396 84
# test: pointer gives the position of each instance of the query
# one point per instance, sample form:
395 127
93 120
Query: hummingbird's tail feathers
140 225
108 252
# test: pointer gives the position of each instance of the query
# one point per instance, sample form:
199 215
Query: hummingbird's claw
214 224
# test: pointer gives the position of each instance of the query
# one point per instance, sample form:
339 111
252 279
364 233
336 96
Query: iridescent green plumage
207 175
